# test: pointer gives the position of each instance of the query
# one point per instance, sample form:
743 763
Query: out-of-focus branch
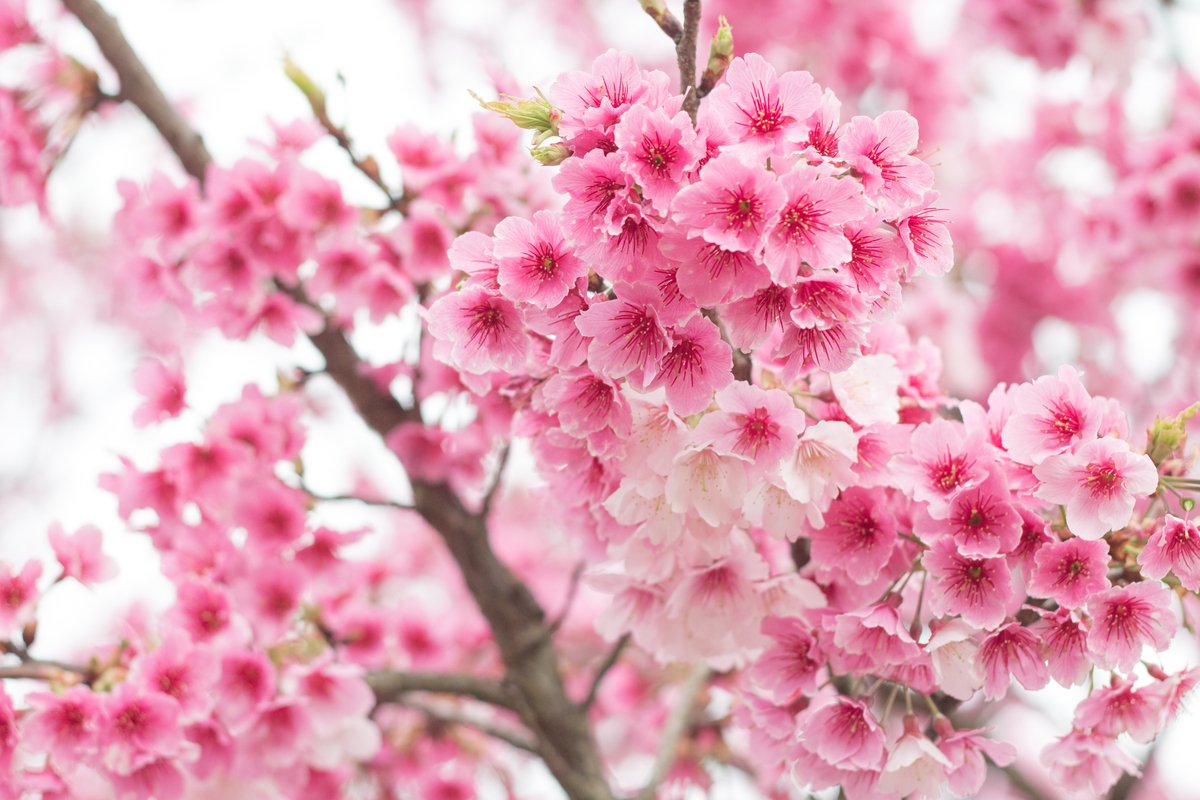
662 16
139 88
674 729
610 661
453 717
389 686
517 620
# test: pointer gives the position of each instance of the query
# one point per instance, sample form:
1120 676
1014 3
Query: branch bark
389 686
685 54
673 731
517 621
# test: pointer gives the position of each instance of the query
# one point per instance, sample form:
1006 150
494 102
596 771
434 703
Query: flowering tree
759 539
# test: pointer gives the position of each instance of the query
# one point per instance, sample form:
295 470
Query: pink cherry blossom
915 767
858 536
697 364
844 733
1064 639
732 205
535 264
80 554
658 149
808 228
881 149
944 458
1087 763
1048 416
760 106
792 664
481 331
876 632
163 388
627 334
1122 708
18 594
1126 619
1175 548
1070 572
981 519
66 726
977 588
1011 652
1098 483
760 425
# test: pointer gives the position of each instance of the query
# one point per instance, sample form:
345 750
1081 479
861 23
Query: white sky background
221 60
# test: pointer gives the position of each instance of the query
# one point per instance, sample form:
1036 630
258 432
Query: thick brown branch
390 686
139 88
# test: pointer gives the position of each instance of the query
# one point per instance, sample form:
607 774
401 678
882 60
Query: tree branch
685 54
673 731
662 16
517 621
389 686
139 88
452 717
610 661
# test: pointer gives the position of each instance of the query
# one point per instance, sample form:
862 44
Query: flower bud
1167 436
720 53
534 114
551 155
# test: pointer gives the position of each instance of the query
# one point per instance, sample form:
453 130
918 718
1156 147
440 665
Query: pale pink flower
1099 484
844 733
182 672
596 99
953 650
480 331
822 464
977 588
627 334
915 767
697 364
1070 572
1175 547
869 390
81 555
760 425
704 482
716 598
732 205
944 457
858 536
1087 763
1011 652
536 265
1121 708
1126 619
808 227
792 663
966 749
586 403
164 390
1049 416
657 150
877 633
761 107
881 150
751 319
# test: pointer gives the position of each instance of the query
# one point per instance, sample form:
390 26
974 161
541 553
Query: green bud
1168 436
535 114
307 86
720 53
1187 504
551 155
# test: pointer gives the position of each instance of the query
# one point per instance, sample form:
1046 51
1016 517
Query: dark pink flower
1048 416
732 205
1064 643
1175 547
627 334
977 588
858 537
697 364
761 107
658 149
65 725
1121 708
18 595
1126 619
535 263
881 150
761 425
1070 572
791 664
1011 652
808 228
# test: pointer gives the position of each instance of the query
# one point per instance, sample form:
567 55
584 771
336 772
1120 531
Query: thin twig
353 498
454 717
607 664
662 16
389 686
685 54
673 731
572 590
489 498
